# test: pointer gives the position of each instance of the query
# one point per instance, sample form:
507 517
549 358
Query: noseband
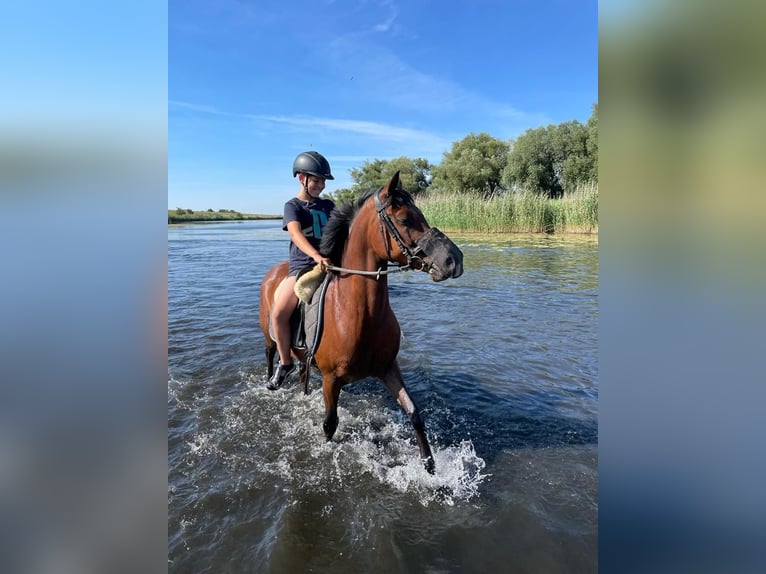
415 255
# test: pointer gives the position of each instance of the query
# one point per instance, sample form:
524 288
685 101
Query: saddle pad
308 282
306 321
313 315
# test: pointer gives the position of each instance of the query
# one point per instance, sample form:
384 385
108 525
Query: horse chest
364 338
372 332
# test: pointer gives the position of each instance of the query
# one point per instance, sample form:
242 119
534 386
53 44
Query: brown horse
361 334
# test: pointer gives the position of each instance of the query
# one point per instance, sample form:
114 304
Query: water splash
279 433
457 478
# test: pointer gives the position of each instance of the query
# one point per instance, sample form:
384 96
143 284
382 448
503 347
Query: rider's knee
282 312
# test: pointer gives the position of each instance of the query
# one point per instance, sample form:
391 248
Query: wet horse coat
361 333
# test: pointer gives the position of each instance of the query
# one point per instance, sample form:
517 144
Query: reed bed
521 212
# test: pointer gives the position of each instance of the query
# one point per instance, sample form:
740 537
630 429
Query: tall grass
520 212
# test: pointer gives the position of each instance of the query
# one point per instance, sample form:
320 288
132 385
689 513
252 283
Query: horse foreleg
330 392
394 383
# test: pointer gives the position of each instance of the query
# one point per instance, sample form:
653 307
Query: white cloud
370 129
386 26
197 107
391 139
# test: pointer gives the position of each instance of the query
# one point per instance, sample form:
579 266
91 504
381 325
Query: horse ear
394 183
389 190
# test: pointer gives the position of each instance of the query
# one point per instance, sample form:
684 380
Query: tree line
181 211
548 161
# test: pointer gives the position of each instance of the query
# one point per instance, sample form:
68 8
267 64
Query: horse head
408 237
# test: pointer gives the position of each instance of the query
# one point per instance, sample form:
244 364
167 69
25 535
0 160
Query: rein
377 273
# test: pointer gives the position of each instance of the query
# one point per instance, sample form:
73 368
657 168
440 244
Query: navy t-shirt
312 217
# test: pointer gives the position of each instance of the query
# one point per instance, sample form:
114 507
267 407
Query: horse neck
360 255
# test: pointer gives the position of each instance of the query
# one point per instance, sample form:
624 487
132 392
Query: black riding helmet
312 163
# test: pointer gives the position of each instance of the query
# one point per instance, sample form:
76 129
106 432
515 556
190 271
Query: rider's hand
323 262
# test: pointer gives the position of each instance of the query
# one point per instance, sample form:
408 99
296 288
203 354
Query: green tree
592 127
474 164
531 163
414 174
573 163
554 159
341 195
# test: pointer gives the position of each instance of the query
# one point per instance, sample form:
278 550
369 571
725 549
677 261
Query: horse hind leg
271 351
330 392
394 383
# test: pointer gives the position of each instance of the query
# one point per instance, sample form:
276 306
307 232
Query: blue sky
253 83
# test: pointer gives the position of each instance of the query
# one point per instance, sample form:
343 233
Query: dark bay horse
361 333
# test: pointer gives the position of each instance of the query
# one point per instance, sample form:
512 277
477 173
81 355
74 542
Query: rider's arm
294 229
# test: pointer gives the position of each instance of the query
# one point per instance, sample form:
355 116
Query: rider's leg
284 305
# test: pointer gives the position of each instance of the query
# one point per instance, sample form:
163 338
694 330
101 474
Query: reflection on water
502 361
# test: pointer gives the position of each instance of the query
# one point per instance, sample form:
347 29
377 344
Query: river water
502 362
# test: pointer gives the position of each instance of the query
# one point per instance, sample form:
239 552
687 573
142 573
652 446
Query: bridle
415 256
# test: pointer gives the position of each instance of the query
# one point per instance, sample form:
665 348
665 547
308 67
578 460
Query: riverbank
191 216
574 213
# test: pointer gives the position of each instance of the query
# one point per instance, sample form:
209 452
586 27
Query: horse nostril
449 262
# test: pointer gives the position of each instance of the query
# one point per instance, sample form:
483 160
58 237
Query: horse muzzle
442 258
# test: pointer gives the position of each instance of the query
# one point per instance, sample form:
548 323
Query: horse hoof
445 492
429 464
329 427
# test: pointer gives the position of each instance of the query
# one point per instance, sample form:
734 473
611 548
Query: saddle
306 322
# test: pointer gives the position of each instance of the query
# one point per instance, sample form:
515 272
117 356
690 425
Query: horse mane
335 233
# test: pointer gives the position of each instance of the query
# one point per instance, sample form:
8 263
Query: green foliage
475 165
340 195
592 127
531 164
181 215
574 164
414 174
554 159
